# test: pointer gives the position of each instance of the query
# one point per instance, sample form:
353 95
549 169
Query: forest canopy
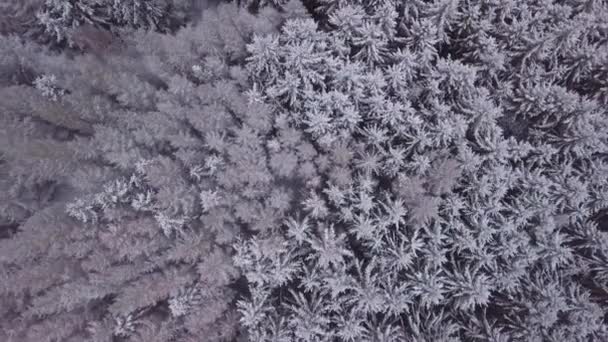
306 171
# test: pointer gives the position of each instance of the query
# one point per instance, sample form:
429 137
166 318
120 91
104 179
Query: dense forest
306 171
